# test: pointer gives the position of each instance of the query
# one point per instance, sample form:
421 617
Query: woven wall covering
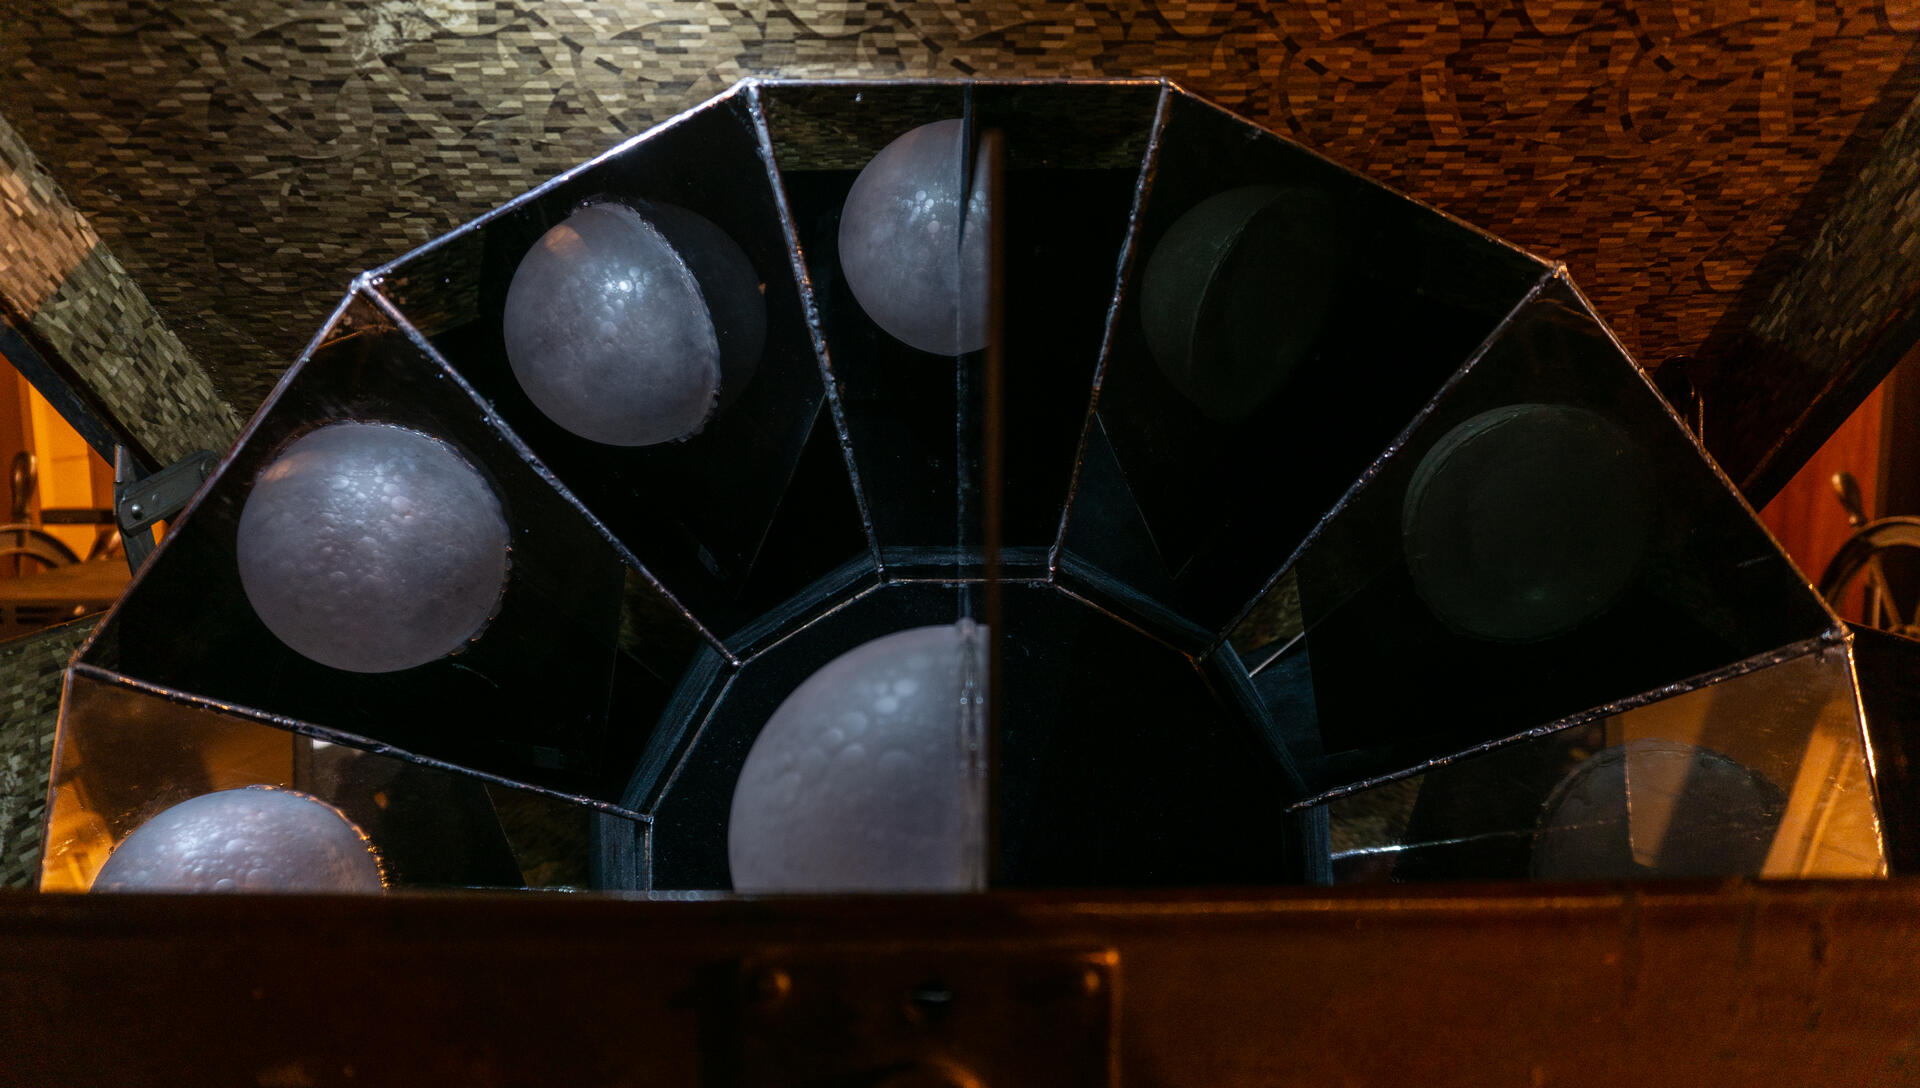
31 671
1831 327
60 280
246 158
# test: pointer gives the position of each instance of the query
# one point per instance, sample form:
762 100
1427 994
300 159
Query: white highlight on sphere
371 548
868 777
608 333
244 840
914 270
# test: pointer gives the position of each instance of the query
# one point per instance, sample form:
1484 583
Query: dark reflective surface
1073 156
1480 551
700 512
126 755
1546 540
1301 315
547 695
1760 775
1120 762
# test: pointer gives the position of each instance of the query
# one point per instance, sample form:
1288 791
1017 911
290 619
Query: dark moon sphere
372 548
1720 817
917 273
244 840
608 333
1527 521
1236 292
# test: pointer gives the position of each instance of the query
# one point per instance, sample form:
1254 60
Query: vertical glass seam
810 308
1122 275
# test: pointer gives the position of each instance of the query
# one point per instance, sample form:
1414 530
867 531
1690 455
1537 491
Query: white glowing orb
608 333
371 548
917 271
244 840
868 776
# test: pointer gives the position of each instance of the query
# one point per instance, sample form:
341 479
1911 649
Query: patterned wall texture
31 669
245 158
1833 324
57 276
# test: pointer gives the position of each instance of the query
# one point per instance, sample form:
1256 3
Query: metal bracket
140 502
952 1016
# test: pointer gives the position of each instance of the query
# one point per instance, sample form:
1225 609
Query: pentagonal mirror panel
326 574
163 792
1545 538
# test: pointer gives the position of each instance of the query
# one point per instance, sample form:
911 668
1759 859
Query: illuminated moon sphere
907 259
371 548
1527 521
244 840
1654 807
860 781
608 333
1236 293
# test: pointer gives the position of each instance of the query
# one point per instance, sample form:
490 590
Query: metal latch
947 1016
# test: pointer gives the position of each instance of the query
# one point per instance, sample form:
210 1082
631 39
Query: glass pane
1284 318
1887 669
1066 205
564 681
1763 774
1544 539
900 400
1073 163
757 503
125 756
1121 762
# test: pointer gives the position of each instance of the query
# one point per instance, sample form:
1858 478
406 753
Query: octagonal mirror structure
1061 484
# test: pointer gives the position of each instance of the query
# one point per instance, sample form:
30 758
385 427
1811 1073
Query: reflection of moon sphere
244 840
857 782
902 245
730 285
608 333
1526 521
1236 292
1720 817
371 548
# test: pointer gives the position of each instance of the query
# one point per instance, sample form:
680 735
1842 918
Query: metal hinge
140 502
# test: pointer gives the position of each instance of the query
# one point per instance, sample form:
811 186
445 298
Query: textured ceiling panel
245 158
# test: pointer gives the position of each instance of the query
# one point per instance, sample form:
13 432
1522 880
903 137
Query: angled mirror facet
752 506
1763 774
1544 539
560 686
